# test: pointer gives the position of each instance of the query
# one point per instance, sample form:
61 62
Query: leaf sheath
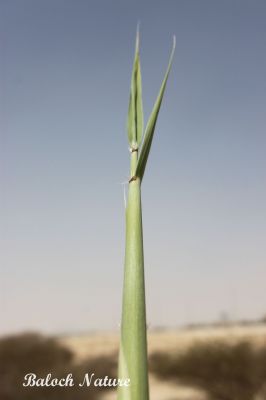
133 346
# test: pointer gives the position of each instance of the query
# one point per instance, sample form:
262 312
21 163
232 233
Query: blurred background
65 76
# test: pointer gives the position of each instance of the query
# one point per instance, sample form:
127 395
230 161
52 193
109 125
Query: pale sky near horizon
65 74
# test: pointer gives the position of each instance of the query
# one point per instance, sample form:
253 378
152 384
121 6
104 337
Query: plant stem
133 345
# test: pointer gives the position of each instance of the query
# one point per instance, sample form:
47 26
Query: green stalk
133 363
133 347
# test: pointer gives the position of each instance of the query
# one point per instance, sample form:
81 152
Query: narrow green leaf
150 128
135 109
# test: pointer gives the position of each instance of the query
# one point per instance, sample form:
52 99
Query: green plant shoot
133 363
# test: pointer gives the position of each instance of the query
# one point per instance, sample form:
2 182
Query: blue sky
65 74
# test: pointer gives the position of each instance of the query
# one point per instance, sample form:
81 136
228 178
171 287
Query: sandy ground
95 345
167 340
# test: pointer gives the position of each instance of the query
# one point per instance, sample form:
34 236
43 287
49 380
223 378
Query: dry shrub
225 372
35 353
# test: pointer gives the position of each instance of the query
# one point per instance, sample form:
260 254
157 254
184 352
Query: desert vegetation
26 353
193 364
224 371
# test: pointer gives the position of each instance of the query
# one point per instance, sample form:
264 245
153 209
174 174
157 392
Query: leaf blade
150 128
135 109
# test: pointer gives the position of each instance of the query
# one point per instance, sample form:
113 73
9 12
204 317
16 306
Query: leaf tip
137 37
174 42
